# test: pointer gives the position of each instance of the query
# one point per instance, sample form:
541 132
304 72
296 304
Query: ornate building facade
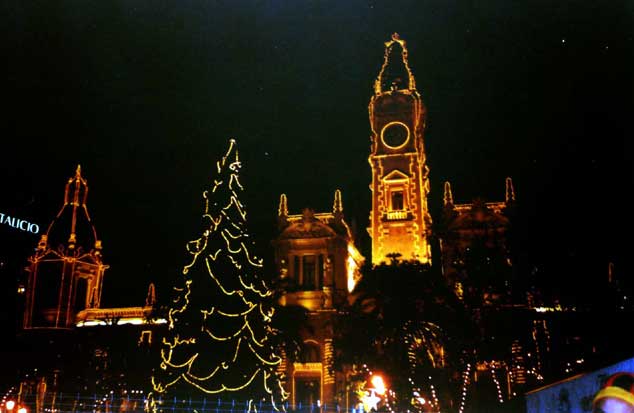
400 223
315 252
66 273
63 308
475 236
67 270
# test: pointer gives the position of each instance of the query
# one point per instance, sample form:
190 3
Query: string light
538 369
497 384
435 403
226 346
466 377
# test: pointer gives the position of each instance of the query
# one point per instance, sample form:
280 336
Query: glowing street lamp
22 410
371 400
10 405
378 383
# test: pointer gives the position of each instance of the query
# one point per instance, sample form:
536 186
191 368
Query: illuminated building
313 249
66 272
316 254
474 247
400 222
518 368
63 308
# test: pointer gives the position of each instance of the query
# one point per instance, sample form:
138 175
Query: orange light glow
399 221
354 261
378 383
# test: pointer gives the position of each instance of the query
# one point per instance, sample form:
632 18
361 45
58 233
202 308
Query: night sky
145 95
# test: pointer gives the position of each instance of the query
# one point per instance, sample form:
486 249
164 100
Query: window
308 272
320 272
310 353
397 200
296 268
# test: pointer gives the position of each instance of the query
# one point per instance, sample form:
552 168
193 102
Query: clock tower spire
399 221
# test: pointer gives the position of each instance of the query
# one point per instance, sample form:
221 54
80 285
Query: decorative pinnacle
282 210
448 196
398 75
510 192
337 206
78 171
150 300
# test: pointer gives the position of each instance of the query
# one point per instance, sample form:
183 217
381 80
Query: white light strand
433 395
465 383
497 385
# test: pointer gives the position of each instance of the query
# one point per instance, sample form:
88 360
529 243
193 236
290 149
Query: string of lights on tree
466 379
220 338
497 384
424 339
424 346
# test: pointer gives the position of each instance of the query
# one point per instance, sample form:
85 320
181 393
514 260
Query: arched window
310 353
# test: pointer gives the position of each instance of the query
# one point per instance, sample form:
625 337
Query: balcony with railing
397 215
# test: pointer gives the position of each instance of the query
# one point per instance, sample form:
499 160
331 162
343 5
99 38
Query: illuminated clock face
395 134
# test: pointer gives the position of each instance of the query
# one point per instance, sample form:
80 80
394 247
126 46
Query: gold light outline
387 125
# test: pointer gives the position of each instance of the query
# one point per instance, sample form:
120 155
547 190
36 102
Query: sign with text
18 223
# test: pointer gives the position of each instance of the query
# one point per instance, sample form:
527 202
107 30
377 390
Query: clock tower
399 221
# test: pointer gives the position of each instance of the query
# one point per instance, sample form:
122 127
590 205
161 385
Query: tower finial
395 74
448 196
510 192
282 210
150 299
78 171
337 206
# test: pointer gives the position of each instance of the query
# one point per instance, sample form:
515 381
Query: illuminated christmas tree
220 341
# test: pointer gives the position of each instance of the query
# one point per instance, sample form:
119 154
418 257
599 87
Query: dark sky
145 95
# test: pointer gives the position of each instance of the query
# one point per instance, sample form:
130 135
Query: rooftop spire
448 196
72 225
510 192
79 188
150 300
337 206
395 73
76 189
282 210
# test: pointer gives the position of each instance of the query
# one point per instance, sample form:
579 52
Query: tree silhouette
407 323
